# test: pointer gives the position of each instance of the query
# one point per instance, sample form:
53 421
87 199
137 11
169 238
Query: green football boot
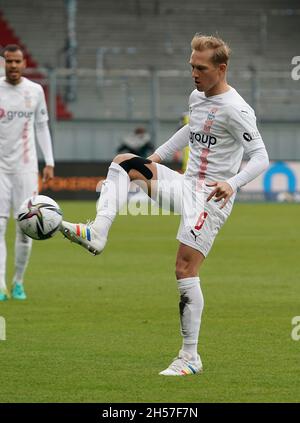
3 295
18 292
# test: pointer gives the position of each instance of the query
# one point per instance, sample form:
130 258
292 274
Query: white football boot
83 234
183 365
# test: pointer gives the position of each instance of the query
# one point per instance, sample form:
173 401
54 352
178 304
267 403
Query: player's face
207 76
14 66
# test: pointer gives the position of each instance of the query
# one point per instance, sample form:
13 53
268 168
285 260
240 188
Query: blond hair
204 42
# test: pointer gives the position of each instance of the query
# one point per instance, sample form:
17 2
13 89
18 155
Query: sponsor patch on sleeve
249 136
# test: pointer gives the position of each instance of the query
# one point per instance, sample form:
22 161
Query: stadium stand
263 36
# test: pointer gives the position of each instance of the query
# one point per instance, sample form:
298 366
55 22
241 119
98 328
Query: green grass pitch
99 329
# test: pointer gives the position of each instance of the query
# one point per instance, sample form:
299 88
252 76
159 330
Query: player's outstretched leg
114 194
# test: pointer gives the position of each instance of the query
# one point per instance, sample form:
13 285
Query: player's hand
222 191
48 173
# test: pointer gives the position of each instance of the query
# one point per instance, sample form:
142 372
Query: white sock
23 246
190 306
114 195
3 224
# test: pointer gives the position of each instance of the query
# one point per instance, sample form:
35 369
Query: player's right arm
176 143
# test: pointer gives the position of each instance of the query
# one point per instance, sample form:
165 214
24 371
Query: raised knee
122 157
135 166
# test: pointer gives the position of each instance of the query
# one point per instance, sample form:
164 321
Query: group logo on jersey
206 139
12 114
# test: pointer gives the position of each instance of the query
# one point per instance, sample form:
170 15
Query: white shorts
14 189
200 220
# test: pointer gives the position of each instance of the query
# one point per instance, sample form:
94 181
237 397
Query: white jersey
22 106
220 129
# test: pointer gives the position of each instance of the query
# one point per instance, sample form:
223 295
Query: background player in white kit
23 113
221 127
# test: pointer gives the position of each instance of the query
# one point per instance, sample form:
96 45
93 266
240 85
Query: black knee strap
137 163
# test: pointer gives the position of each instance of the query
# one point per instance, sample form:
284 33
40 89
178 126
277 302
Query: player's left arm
43 137
242 125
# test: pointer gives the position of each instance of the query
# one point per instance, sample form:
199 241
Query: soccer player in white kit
222 126
23 113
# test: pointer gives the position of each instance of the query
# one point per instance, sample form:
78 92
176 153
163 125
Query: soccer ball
39 217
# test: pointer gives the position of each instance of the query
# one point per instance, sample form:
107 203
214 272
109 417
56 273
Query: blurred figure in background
137 142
